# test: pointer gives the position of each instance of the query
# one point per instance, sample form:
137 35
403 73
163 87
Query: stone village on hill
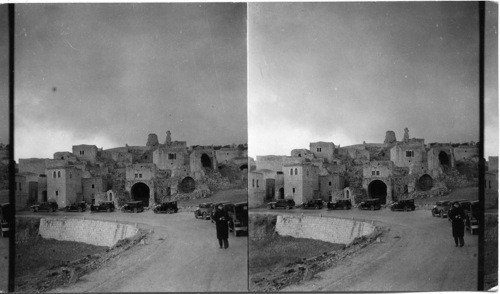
152 173
388 171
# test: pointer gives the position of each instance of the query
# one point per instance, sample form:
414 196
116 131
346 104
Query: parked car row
367 204
106 206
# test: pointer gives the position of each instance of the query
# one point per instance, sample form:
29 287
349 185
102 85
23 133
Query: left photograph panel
130 147
6 210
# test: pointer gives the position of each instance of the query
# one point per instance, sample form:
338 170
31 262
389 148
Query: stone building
301 182
85 152
139 182
328 184
64 185
325 150
256 189
91 187
377 180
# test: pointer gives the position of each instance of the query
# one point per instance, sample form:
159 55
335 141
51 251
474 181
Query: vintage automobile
339 204
313 204
472 214
282 203
238 215
404 205
370 204
204 210
166 207
45 206
226 205
6 218
108 206
133 206
441 208
77 206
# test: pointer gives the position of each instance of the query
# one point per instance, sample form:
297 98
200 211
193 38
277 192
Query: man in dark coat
457 217
221 218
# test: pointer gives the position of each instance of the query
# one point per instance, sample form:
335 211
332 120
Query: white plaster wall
93 232
334 230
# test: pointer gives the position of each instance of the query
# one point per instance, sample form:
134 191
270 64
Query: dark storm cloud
122 71
348 72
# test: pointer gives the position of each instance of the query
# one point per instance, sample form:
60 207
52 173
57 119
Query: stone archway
206 161
444 159
140 192
187 185
378 189
425 183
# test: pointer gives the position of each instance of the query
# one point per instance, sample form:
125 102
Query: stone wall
93 232
334 230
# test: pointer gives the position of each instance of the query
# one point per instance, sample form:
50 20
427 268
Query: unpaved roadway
417 254
182 254
4 264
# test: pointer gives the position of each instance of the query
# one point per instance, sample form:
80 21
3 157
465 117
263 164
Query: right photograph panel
363 123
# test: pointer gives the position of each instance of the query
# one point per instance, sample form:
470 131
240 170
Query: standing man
457 217
221 218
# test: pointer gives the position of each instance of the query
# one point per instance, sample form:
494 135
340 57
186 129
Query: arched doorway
44 196
187 185
282 193
444 160
205 161
140 192
378 189
425 183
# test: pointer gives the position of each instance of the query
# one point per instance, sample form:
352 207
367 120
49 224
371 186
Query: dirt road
4 264
417 254
181 255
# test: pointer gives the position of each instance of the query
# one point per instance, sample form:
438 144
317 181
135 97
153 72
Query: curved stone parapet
334 230
95 232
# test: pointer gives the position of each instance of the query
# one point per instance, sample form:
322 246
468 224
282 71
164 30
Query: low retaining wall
334 230
93 232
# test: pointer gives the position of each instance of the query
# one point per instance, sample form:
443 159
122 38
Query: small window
136 175
57 193
172 156
296 171
373 172
291 171
257 183
293 190
409 153
92 186
54 174
140 176
378 173
58 174
253 182
318 149
329 183
70 175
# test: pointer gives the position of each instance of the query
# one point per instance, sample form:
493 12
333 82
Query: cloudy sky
110 74
348 72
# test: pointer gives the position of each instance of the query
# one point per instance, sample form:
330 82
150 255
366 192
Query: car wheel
316 206
441 214
372 207
204 215
135 210
273 207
